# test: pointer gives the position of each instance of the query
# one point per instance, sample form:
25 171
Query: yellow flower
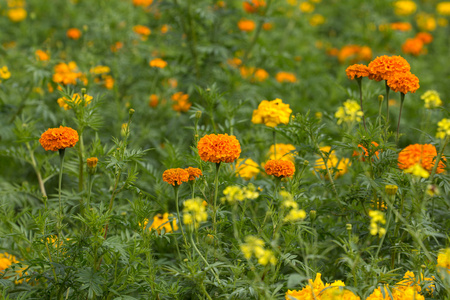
432 99
404 8
254 246
426 22
349 113
418 170
246 168
161 222
283 152
443 261
316 20
332 162
377 218
17 14
235 193
443 8
194 212
76 100
100 70
306 7
295 215
271 113
4 73
310 292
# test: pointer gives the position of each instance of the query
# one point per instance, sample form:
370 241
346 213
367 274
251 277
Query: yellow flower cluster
4 73
443 128
16 11
247 168
332 162
443 8
255 246
294 214
6 260
161 222
75 101
67 73
432 99
349 113
418 170
235 193
443 260
102 76
317 290
194 212
283 152
376 219
272 113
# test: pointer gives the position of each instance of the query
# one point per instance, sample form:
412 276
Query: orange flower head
357 70
384 67
423 154
158 63
42 55
17 14
73 33
348 52
404 83
153 100
413 46
92 162
182 103
194 173
425 37
285 77
143 3
246 25
364 153
401 26
59 138
280 168
217 148
175 176
252 6
143 31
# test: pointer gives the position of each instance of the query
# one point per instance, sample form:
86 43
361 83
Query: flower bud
349 226
198 114
131 111
312 215
391 189
92 165
380 98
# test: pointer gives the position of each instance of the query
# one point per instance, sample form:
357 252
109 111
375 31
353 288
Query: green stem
36 169
204 260
387 104
216 189
387 228
274 144
61 158
175 188
438 159
81 172
402 98
359 81
90 183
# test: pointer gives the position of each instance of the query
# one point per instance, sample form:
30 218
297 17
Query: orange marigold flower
252 6
219 148
423 154
348 52
425 37
153 100
116 47
261 75
404 83
280 168
59 138
73 33
383 67
158 63
66 73
413 46
92 162
357 70
285 77
143 3
401 26
364 152
175 176
246 25
182 103
194 173
267 26
143 31
42 55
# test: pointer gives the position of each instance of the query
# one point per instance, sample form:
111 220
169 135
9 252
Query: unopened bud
312 215
391 189
83 91
349 226
305 162
92 165
131 112
380 98
198 114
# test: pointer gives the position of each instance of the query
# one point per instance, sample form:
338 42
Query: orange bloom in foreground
194 173
73 33
246 25
158 63
384 67
412 46
217 148
175 176
285 77
423 154
357 70
59 138
364 153
280 168
404 83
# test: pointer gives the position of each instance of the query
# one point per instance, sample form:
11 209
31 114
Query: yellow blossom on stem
377 219
272 113
350 112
